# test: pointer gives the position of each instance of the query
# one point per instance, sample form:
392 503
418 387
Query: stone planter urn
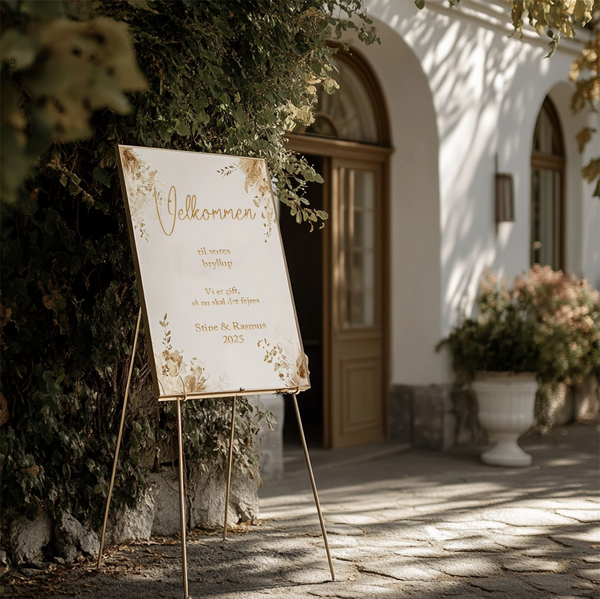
506 410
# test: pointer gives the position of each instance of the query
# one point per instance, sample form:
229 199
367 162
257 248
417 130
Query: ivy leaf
102 176
182 128
591 170
54 301
164 132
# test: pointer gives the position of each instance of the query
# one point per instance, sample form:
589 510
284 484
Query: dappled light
405 524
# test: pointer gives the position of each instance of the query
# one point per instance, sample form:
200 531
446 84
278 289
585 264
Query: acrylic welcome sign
219 313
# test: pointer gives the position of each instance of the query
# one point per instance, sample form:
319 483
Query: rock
207 499
205 505
4 560
586 399
72 538
473 544
27 538
401 569
592 574
165 493
553 407
479 566
270 442
526 517
592 559
581 515
504 585
133 524
563 584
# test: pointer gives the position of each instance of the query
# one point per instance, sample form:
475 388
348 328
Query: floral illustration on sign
258 184
141 184
178 376
290 364
224 382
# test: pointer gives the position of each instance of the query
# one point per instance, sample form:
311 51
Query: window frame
554 162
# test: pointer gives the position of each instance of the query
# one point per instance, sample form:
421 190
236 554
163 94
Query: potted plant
542 331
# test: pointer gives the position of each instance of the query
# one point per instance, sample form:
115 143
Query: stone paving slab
530 565
405 525
581 515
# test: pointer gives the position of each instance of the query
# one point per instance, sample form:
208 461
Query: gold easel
181 471
119 437
182 496
310 473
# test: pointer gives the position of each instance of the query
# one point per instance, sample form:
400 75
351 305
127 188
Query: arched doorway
547 190
339 274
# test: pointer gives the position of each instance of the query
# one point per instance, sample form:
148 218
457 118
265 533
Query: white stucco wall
483 93
414 210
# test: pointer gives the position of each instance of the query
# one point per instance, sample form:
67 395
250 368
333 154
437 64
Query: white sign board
219 313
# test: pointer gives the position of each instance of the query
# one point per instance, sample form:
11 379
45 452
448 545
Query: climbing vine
227 77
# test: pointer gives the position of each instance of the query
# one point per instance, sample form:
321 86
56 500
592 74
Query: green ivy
227 77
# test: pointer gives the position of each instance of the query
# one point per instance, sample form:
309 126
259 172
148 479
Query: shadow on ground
416 524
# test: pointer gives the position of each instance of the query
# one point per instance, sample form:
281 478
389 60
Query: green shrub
548 322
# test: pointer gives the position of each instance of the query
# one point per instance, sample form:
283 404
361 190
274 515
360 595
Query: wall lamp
505 198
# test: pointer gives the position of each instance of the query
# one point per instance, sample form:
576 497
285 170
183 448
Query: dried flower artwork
258 184
141 184
291 366
176 375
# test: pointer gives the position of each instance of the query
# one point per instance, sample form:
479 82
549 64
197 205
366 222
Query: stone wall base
442 416
155 514
433 416
270 442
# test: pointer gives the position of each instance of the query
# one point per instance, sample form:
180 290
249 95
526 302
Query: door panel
359 378
357 340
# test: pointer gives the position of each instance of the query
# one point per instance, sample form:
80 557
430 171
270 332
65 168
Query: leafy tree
229 77
55 73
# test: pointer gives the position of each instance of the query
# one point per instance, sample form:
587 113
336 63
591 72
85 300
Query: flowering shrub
548 322
566 312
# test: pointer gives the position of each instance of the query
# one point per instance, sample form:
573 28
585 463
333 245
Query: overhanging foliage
226 77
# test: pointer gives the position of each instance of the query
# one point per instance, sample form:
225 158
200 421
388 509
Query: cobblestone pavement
409 524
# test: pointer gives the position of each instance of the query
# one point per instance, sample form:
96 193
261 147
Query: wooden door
356 318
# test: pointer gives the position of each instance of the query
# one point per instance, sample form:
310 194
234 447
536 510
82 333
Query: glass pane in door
358 246
545 217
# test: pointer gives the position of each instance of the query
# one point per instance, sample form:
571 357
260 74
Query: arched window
350 113
547 190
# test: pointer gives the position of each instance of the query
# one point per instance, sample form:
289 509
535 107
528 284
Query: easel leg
314 487
229 467
119 437
182 502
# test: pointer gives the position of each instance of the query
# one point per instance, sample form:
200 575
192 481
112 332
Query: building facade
449 148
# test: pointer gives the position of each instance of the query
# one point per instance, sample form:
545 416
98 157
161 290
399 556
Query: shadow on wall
487 94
